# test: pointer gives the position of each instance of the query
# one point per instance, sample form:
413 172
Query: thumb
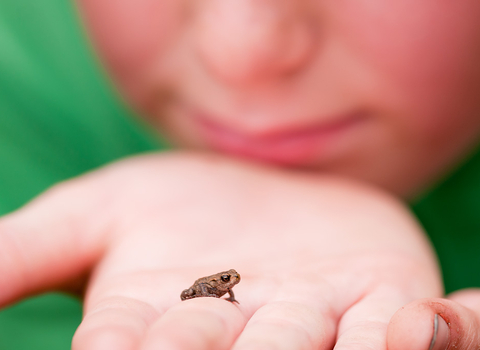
50 241
434 324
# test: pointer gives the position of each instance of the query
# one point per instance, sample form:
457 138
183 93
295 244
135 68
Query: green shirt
59 117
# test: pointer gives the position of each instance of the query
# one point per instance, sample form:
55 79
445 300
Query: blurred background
59 117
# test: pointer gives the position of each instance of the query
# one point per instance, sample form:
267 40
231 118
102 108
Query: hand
457 323
323 261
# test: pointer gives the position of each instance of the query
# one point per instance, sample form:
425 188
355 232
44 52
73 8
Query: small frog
213 286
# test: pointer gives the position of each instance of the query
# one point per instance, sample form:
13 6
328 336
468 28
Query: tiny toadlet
213 286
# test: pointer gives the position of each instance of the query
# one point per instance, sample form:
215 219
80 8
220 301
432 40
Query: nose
248 40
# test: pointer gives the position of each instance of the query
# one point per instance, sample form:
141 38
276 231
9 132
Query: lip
292 146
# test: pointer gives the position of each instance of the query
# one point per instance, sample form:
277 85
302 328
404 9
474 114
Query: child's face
382 90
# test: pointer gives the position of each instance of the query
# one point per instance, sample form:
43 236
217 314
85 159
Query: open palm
324 262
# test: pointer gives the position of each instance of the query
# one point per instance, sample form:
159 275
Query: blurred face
386 91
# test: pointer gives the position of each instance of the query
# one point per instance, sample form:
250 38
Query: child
297 122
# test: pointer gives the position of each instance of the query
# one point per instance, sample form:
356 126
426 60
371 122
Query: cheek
426 55
128 35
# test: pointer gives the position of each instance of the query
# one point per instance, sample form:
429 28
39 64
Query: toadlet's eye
225 278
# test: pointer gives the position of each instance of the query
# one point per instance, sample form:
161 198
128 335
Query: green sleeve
58 118
450 214
58 115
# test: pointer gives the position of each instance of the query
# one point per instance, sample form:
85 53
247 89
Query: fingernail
441 334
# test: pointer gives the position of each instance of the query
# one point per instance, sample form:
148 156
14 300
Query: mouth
292 146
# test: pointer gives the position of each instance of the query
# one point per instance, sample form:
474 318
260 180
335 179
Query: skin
390 98
410 80
346 279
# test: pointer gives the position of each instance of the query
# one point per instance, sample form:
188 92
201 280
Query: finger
48 242
435 324
364 325
289 325
120 308
116 323
469 298
196 324
124 307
